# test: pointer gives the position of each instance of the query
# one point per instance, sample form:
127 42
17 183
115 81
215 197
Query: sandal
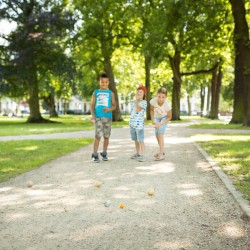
159 158
157 155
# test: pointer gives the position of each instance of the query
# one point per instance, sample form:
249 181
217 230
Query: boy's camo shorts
103 127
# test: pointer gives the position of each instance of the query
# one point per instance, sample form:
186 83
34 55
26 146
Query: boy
136 123
102 104
161 114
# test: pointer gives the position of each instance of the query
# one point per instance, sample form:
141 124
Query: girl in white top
161 114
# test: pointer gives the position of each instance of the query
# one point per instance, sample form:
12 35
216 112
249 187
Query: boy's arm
93 107
113 102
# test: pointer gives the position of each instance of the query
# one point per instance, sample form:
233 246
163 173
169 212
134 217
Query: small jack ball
98 184
30 183
151 191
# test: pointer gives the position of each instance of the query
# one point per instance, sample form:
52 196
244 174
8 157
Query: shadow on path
191 208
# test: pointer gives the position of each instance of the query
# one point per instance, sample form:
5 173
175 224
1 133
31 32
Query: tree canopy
59 48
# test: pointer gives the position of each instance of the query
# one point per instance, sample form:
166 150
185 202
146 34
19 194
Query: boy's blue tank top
103 100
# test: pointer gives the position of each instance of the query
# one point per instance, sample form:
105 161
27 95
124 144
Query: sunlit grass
13 126
232 154
17 157
218 125
64 123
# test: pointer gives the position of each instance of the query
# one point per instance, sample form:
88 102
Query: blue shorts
161 129
137 134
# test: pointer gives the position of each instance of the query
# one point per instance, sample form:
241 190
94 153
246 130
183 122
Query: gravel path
191 208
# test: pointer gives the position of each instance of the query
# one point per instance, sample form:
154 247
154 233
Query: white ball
30 183
151 191
107 203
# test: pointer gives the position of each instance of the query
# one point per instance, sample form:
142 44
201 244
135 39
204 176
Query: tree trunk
208 100
112 86
189 105
241 112
238 105
202 96
147 60
246 121
35 115
176 91
52 110
50 102
215 92
218 90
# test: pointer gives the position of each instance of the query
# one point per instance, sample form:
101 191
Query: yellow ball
30 183
98 184
121 205
151 191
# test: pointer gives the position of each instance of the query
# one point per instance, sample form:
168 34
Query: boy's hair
162 90
103 75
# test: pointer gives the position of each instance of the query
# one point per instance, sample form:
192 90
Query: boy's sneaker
95 158
135 156
141 158
104 156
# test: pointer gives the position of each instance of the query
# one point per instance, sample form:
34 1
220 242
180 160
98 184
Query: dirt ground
191 207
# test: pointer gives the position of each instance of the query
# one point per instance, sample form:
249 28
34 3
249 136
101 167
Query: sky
5 28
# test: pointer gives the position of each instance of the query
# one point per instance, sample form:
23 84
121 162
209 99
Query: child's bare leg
96 144
157 154
142 148
160 138
137 147
105 144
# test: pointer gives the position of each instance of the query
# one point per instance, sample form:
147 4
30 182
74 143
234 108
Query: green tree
102 31
146 38
191 28
32 46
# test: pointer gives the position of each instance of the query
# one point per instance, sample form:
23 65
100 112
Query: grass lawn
17 157
232 154
218 125
65 123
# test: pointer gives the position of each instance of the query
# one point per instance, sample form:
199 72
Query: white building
194 101
78 105
74 104
8 106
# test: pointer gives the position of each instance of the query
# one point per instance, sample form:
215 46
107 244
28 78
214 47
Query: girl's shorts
161 129
137 134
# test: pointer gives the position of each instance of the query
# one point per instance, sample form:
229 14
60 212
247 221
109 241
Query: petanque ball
30 183
107 203
98 184
151 191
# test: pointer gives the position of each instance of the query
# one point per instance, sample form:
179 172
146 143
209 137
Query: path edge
238 196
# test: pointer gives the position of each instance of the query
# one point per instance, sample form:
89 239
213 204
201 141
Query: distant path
191 208
90 133
77 134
